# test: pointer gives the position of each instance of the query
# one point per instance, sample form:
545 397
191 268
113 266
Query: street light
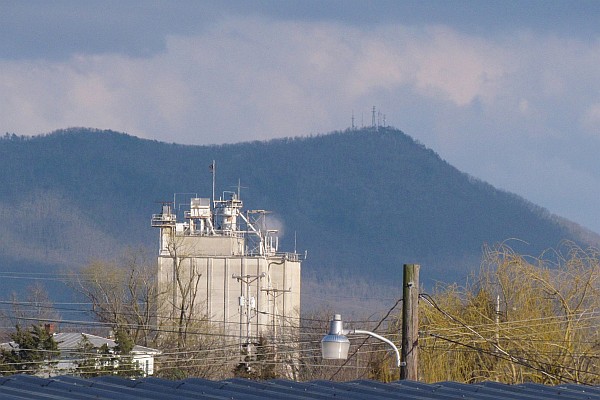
335 345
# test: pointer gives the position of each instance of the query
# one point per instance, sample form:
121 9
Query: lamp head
335 345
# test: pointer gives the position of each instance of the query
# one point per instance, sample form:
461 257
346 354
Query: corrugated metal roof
112 387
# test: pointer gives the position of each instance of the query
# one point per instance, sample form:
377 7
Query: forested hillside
361 203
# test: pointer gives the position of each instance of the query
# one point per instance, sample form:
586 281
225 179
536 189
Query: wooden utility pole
410 323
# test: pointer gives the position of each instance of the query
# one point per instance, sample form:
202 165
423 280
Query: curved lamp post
335 345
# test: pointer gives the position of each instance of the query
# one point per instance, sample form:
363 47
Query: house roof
112 387
70 341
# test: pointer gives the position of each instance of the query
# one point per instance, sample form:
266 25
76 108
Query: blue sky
507 91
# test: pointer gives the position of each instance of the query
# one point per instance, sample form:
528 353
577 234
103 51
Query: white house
70 344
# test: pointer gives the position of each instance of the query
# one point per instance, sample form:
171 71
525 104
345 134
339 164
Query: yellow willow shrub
545 330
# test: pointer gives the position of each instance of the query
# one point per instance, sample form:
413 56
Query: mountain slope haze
361 203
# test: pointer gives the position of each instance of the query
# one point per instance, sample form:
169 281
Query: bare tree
206 354
187 282
123 294
126 295
35 309
192 345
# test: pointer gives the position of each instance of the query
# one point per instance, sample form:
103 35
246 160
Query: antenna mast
213 171
373 118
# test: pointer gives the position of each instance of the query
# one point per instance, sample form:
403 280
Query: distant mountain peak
362 202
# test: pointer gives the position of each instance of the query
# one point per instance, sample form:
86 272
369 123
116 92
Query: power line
503 354
522 361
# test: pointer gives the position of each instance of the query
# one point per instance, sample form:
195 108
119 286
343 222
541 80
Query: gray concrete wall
277 294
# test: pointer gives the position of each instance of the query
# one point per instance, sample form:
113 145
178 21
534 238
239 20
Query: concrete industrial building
218 262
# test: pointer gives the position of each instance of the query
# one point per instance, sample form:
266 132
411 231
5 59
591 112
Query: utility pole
249 303
275 293
410 323
497 332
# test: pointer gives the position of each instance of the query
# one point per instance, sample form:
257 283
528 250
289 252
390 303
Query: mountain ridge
360 202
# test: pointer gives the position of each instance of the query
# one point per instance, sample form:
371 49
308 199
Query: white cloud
252 78
459 67
470 98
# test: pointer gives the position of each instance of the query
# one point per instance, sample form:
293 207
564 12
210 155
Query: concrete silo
222 264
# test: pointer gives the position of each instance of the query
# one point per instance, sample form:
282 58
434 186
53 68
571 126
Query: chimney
49 328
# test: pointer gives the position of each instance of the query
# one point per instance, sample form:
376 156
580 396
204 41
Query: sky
506 91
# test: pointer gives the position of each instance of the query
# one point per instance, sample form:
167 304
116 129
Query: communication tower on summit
373 125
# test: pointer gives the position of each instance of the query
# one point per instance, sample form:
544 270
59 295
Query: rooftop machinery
225 219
